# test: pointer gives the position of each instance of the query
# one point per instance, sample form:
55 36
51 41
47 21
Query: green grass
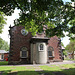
21 70
69 59
69 69
3 62
50 69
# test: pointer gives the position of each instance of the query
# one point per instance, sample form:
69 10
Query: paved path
64 62
52 63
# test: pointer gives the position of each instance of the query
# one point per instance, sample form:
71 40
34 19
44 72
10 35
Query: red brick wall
17 42
54 42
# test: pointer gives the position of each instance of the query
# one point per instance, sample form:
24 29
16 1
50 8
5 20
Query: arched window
50 51
41 47
23 52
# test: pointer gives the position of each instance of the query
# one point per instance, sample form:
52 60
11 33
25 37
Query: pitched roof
3 51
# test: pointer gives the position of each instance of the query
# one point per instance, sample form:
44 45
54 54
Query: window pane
24 53
50 53
41 46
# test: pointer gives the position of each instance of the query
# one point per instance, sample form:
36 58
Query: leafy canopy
3 45
71 46
2 21
35 13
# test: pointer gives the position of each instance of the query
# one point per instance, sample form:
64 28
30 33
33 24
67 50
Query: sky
10 21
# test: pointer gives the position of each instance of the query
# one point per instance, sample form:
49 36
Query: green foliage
3 45
4 63
65 52
2 21
62 44
71 46
36 13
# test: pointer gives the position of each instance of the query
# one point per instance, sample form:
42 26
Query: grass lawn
3 62
17 70
66 69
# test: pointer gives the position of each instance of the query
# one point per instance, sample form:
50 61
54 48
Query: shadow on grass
70 71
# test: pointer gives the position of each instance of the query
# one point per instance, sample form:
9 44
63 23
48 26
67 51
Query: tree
62 44
71 46
2 21
35 13
3 45
1 42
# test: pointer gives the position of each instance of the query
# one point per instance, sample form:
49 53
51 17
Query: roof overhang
39 39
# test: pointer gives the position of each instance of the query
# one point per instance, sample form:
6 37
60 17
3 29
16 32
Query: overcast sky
10 20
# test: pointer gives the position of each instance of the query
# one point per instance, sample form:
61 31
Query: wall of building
5 55
55 42
17 41
38 56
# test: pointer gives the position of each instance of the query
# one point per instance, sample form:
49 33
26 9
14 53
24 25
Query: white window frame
40 48
21 53
51 51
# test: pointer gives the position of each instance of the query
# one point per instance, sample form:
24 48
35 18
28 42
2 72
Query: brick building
4 55
39 49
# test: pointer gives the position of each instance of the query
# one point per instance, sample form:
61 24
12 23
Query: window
24 32
23 52
41 46
50 51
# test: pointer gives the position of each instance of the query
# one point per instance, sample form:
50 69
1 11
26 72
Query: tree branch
19 6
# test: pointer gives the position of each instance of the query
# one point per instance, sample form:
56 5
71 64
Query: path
39 70
64 62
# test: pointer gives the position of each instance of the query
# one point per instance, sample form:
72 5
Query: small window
50 51
23 52
41 46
